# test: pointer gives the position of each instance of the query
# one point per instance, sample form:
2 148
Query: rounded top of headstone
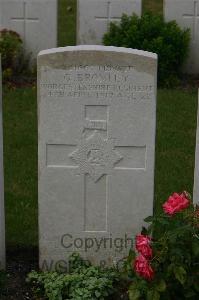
99 48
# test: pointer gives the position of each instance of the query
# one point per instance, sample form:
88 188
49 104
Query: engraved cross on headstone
96 157
108 18
24 19
195 18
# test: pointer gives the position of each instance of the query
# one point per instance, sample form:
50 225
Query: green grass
175 143
155 6
66 23
20 164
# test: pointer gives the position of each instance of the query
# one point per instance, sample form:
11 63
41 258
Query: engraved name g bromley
97 82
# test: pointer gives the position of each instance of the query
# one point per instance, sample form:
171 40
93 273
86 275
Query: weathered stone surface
2 216
94 17
196 177
97 112
186 14
34 20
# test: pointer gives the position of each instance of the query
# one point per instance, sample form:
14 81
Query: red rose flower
143 268
175 203
142 245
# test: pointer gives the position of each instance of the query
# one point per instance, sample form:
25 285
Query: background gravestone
196 177
94 17
97 112
2 217
34 20
1 15
186 14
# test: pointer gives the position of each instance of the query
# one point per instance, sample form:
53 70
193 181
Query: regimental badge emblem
96 156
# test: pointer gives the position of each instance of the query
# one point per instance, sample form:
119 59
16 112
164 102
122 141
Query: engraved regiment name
98 82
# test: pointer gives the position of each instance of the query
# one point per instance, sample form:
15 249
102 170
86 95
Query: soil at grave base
19 263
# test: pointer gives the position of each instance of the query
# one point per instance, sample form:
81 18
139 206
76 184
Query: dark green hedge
152 33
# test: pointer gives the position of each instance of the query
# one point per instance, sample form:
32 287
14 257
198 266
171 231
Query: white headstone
97 112
196 177
34 20
186 14
94 17
2 216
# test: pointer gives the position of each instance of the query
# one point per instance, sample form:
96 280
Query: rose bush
166 266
